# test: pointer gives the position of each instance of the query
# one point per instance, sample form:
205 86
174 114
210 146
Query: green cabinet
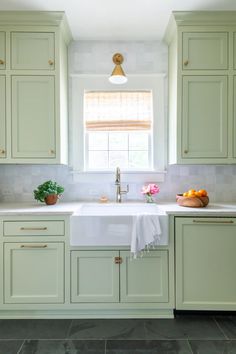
2 117
144 279
33 117
36 86
2 50
205 110
111 276
201 87
95 276
234 124
33 273
32 50
205 263
205 50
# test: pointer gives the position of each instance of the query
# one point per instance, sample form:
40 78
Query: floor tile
49 329
63 347
213 346
228 325
107 329
10 346
14 329
183 327
148 347
34 329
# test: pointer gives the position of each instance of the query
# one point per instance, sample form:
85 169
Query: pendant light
118 76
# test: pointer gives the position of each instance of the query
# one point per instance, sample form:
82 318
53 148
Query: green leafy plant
47 188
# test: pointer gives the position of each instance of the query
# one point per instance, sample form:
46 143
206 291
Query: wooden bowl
192 202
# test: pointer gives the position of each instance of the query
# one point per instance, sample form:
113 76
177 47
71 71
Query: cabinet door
204 117
94 276
144 279
205 51
205 264
33 273
2 50
2 117
33 51
33 117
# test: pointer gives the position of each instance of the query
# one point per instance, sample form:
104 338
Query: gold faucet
119 192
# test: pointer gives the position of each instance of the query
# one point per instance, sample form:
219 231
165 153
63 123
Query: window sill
127 176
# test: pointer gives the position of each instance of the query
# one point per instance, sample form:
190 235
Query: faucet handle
127 190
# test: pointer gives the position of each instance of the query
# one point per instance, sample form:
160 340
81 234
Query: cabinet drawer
33 228
205 51
32 51
34 273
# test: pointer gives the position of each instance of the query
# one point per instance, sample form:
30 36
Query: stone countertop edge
69 208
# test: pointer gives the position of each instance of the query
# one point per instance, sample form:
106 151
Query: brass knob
2 62
118 260
185 151
2 151
51 62
52 152
186 62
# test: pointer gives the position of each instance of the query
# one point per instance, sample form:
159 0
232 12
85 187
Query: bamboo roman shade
118 110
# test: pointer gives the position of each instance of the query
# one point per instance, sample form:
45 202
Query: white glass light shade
118 79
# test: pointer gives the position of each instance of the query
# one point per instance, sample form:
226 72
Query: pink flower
150 189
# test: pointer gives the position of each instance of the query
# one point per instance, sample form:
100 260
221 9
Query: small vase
149 199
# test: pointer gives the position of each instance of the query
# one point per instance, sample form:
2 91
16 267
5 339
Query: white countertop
217 209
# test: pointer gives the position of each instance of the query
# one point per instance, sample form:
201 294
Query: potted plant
48 192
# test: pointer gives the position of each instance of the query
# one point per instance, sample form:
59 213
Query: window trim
82 82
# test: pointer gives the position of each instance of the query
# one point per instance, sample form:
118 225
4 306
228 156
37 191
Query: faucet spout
119 192
117 181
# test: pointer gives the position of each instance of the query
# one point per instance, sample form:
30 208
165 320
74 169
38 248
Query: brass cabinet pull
186 62
51 62
33 228
118 260
185 151
34 246
2 62
52 151
214 221
2 151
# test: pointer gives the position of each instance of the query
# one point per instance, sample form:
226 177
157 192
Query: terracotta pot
51 199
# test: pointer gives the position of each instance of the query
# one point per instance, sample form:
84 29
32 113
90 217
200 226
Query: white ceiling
123 19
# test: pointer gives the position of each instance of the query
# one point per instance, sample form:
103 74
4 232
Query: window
118 126
118 129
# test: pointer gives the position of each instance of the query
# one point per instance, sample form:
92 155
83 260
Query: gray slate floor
186 334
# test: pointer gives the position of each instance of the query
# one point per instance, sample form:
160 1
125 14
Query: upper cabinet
202 64
2 50
205 51
33 50
34 87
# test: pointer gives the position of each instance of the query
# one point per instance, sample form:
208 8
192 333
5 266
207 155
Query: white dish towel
145 234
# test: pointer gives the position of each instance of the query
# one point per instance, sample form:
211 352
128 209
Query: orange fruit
185 194
198 194
191 194
191 191
202 192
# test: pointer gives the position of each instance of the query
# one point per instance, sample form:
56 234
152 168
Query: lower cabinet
205 263
33 273
111 276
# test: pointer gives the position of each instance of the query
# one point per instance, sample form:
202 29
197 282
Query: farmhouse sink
111 224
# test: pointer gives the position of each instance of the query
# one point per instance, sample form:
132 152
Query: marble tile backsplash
17 183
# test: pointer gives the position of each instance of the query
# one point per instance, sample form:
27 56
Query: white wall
88 57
